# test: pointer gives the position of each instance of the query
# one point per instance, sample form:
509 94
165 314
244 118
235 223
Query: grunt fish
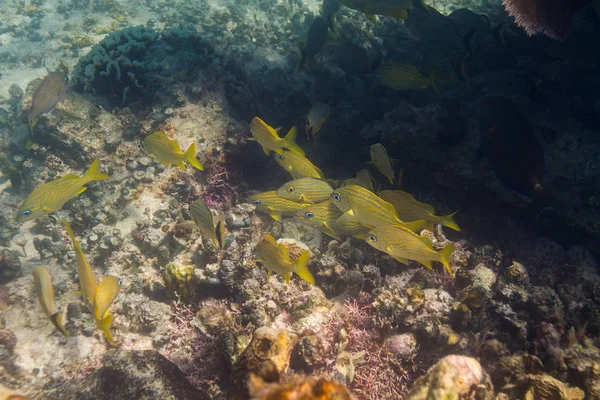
316 117
203 220
410 209
269 139
370 210
298 166
347 225
403 245
51 196
167 151
107 291
45 294
276 257
49 93
275 206
321 216
399 76
315 40
383 162
306 190
363 178
98 297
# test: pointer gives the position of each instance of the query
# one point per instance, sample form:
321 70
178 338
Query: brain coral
113 66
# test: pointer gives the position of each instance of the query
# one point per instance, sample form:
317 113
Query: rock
267 356
299 388
546 387
129 375
453 377
10 265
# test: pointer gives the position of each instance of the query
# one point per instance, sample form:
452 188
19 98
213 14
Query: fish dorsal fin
321 175
390 208
70 176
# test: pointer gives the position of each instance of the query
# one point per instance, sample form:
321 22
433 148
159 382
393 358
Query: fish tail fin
447 220
431 82
301 269
445 255
290 141
104 325
93 173
190 157
56 319
220 234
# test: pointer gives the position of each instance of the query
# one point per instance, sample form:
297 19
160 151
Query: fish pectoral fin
267 151
286 276
276 217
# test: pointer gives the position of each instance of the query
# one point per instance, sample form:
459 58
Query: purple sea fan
551 17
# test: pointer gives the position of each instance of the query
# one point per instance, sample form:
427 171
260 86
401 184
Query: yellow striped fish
107 291
49 93
203 220
383 162
370 210
269 139
276 257
275 206
316 117
403 245
306 190
399 76
321 216
363 178
298 166
410 209
51 196
45 294
91 289
347 226
167 151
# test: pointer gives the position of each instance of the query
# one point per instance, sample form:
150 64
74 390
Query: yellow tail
69 232
448 221
93 173
289 141
104 326
445 255
56 319
190 157
301 269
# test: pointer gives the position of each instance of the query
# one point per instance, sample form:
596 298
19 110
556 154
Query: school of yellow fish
388 220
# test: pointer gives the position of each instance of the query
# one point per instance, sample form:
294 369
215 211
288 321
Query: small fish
321 216
363 178
203 220
316 117
298 166
51 196
275 206
45 294
403 245
315 40
306 190
329 9
167 151
98 297
370 210
383 162
107 291
49 93
269 139
410 209
399 76
391 8
276 257
87 280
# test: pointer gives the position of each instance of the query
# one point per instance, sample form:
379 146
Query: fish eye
291 190
120 282
372 237
309 215
25 212
280 156
256 202
336 197
142 145
66 78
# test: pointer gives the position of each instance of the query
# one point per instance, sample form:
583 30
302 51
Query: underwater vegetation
435 235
